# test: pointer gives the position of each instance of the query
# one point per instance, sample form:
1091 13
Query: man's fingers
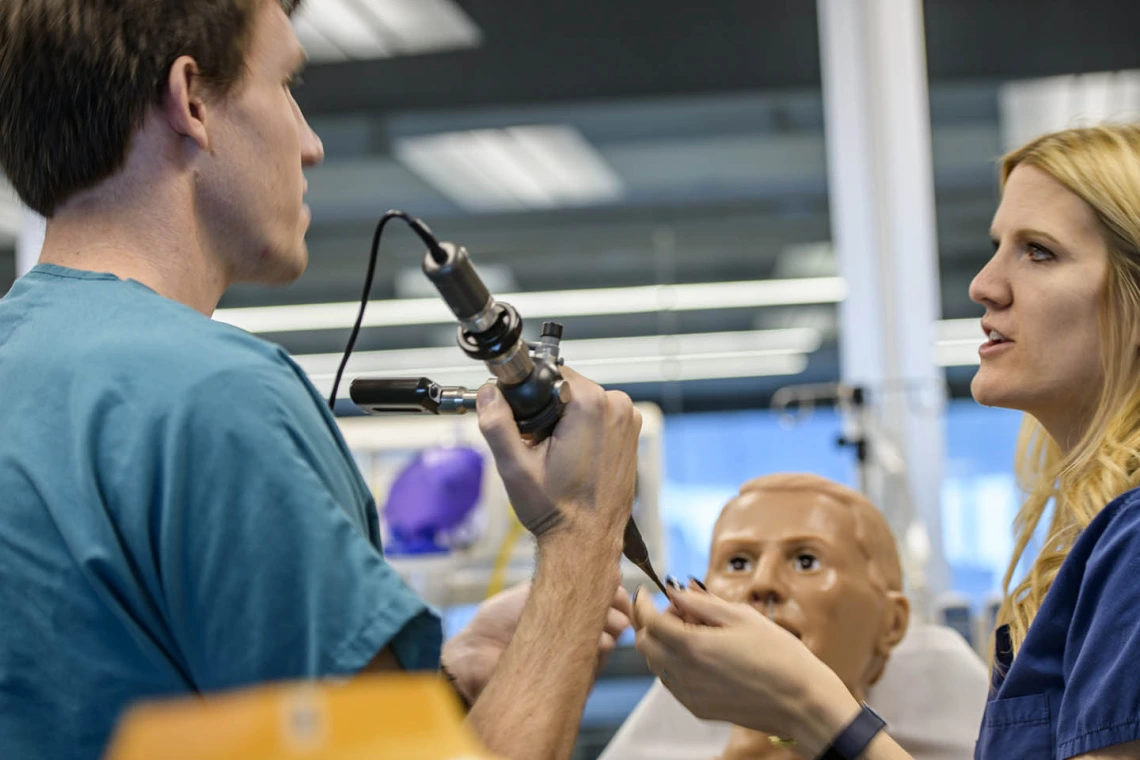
616 622
498 426
606 643
583 391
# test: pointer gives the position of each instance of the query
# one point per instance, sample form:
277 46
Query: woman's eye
739 564
806 562
1038 253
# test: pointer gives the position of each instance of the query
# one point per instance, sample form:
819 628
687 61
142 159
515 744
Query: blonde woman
1062 319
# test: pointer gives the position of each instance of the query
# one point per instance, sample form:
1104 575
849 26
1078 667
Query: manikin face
251 186
793 554
1042 291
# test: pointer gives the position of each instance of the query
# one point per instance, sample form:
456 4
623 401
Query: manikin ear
897 614
184 101
896 620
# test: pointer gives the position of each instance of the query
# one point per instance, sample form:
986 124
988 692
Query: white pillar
880 182
30 242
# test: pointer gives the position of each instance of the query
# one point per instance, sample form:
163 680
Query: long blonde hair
1101 165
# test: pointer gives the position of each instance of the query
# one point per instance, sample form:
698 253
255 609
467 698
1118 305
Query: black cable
437 253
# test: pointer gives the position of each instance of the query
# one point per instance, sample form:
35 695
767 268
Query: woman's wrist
827 709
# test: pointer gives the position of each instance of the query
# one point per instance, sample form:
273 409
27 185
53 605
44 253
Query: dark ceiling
567 50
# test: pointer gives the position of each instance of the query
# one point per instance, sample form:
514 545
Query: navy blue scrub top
1074 686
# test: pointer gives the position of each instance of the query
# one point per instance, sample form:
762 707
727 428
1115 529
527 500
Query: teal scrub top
178 514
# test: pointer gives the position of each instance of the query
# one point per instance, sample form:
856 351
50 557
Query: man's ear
184 101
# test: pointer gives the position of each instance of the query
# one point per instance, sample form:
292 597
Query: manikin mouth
768 608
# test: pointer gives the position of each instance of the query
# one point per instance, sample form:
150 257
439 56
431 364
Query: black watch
853 740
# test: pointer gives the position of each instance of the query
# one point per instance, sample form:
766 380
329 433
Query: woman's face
1042 292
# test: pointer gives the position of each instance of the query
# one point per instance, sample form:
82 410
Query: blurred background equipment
446 521
431 499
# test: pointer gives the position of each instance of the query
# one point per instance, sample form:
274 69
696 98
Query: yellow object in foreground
382 717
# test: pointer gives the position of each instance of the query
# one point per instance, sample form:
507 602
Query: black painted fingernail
671 582
636 591
698 582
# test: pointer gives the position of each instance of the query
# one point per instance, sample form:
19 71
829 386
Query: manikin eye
739 564
806 562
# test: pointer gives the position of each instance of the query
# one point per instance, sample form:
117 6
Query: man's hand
574 491
472 655
585 473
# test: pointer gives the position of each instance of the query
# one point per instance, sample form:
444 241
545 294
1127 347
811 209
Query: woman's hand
728 662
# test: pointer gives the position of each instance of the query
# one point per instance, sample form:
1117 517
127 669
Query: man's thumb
497 423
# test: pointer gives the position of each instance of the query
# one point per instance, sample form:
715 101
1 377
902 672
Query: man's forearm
533 704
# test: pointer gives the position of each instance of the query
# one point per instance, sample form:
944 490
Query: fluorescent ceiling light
337 30
340 24
583 352
512 169
1033 107
610 361
421 26
545 304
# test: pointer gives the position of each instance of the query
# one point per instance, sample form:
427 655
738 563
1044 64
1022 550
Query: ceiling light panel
1033 107
422 26
518 168
338 30
343 26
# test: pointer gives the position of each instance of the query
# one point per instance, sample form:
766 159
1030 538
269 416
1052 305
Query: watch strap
853 740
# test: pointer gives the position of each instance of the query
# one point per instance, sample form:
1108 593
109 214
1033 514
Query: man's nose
312 149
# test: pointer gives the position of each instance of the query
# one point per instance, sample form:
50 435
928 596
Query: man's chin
283 267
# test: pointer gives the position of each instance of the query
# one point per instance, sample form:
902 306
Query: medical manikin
820 560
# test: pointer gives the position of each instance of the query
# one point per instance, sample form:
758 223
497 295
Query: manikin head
821 561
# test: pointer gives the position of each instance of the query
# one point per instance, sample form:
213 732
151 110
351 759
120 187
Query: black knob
552 330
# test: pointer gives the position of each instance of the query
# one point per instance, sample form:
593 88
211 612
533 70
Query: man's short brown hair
77 78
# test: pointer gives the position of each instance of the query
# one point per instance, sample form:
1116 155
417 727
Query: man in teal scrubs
178 512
